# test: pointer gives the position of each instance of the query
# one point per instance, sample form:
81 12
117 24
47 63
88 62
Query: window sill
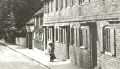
108 53
85 3
57 41
83 47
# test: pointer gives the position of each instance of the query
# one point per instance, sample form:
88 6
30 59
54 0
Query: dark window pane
81 37
56 34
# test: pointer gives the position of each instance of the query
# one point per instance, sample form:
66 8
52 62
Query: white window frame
112 47
86 37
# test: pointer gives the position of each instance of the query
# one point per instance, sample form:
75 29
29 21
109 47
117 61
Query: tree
22 10
15 13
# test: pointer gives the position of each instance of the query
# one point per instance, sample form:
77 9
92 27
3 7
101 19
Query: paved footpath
43 59
34 56
10 59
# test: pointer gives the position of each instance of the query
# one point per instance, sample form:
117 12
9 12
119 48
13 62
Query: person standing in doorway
51 51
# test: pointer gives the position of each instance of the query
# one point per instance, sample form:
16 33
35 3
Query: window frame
56 31
112 47
82 2
85 37
72 38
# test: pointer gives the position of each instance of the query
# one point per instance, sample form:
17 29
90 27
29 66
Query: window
72 36
80 37
46 6
56 34
109 41
49 6
56 5
65 3
60 4
84 36
68 2
40 36
48 34
64 35
83 1
52 5
61 35
73 2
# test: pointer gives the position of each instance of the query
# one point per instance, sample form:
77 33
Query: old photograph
59 34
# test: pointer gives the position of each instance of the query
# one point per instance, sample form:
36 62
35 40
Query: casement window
65 2
84 36
74 2
49 6
60 4
64 35
68 2
71 2
52 5
83 1
40 21
40 36
72 36
48 34
80 37
61 32
37 22
108 41
46 6
56 34
56 5
59 35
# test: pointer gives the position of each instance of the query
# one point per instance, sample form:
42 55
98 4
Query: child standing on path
51 51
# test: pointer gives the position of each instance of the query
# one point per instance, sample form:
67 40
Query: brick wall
117 42
96 7
106 61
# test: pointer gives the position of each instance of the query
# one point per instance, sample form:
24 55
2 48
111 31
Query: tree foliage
22 11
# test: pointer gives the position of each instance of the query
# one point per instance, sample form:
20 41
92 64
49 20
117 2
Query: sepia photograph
59 34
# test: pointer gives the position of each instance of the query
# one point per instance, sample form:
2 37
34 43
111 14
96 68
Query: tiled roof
39 12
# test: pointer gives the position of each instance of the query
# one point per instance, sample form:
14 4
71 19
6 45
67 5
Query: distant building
38 30
87 31
37 33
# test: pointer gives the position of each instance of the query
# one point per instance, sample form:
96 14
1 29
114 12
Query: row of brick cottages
89 41
82 40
